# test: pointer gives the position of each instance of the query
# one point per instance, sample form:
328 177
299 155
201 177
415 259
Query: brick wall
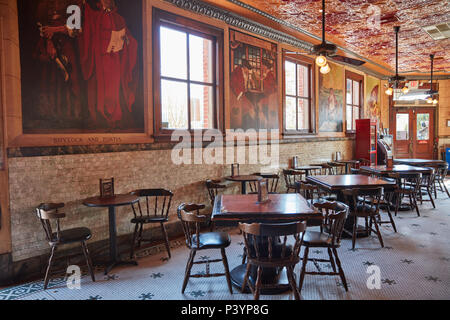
72 178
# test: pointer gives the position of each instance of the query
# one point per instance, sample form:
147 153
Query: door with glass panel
414 133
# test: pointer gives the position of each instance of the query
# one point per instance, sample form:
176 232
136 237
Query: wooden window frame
355 77
309 63
176 22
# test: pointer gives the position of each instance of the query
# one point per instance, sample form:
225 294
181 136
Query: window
187 56
354 98
298 110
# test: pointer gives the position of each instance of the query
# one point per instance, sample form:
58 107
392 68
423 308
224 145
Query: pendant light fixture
394 81
432 99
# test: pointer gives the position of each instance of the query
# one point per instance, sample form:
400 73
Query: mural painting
253 82
86 80
331 100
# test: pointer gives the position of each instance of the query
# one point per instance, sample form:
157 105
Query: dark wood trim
357 78
216 35
310 64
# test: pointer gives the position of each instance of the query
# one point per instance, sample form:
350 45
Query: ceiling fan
395 80
325 49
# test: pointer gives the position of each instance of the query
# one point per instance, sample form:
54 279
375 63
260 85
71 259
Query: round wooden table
243 180
111 203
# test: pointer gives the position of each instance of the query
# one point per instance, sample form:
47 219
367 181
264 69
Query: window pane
303 80
303 114
356 92
402 125
423 126
202 114
355 116
349 113
173 53
201 59
349 92
174 106
290 78
290 114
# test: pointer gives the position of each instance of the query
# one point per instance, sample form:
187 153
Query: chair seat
72 235
149 219
317 239
212 240
363 210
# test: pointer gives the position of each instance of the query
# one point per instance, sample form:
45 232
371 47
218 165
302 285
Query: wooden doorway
414 132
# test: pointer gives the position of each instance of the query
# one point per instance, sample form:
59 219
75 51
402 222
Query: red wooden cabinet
366 140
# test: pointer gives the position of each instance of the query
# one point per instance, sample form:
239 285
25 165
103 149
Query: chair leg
380 238
189 265
166 239
431 197
133 242
397 204
227 269
355 227
88 260
244 255
258 283
141 229
446 190
415 204
333 265
290 275
341 271
392 220
302 274
47 273
244 283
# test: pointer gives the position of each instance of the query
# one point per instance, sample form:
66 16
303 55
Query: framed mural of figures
253 82
373 110
87 80
331 100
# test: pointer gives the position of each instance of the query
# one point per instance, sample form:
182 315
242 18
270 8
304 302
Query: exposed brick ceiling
347 25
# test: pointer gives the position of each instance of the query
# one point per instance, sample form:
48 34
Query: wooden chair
326 168
272 183
291 177
365 203
335 214
266 251
47 213
214 187
439 180
364 163
426 184
156 210
191 220
337 167
407 185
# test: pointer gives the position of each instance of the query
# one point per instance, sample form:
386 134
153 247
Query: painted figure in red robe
108 54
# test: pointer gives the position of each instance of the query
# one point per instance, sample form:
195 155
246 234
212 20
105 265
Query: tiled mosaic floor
415 264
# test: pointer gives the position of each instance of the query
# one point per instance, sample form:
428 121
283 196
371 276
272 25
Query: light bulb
430 100
321 61
405 90
435 101
325 69
389 91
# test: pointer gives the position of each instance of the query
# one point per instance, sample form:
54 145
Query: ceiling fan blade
348 60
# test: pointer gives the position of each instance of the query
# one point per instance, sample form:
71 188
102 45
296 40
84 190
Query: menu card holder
338 156
295 162
106 188
263 192
235 169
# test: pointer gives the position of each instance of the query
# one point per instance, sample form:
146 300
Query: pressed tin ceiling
353 24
